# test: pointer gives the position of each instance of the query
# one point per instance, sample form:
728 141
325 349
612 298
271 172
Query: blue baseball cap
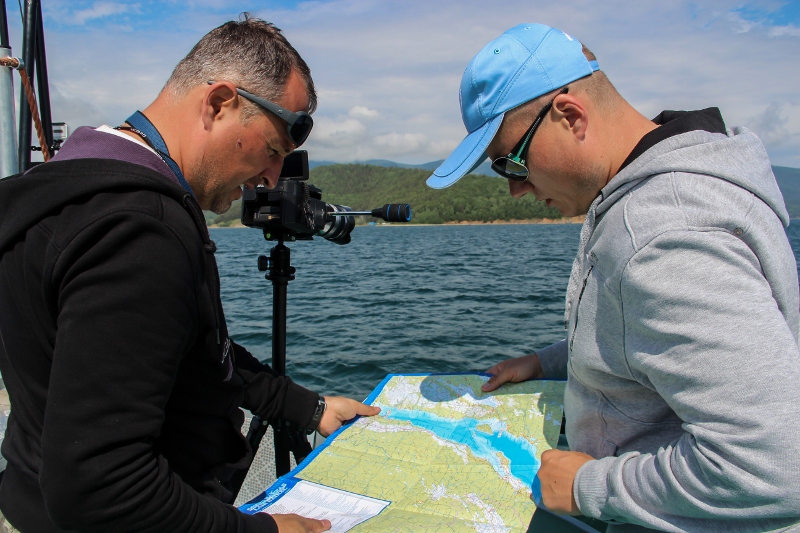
524 63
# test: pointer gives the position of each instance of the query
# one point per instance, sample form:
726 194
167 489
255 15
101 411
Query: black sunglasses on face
513 166
298 125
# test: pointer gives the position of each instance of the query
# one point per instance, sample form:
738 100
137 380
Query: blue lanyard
142 125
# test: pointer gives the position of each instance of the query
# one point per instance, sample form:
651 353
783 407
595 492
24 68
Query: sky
388 71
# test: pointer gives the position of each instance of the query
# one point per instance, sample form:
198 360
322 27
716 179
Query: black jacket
125 389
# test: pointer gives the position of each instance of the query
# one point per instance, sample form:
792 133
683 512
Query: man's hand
292 523
514 370
556 476
341 410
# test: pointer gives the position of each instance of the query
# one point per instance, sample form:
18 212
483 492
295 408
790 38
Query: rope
15 63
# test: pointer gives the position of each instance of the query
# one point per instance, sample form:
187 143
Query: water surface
404 299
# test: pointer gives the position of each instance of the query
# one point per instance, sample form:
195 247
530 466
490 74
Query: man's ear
219 99
574 114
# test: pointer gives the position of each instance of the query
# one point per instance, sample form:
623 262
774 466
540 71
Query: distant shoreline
565 220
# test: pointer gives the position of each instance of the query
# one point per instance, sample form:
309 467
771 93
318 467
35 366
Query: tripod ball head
294 210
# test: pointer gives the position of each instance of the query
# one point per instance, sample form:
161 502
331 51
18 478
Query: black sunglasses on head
513 165
298 125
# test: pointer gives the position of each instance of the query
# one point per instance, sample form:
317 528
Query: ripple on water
402 300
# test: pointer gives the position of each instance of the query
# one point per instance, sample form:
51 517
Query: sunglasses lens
510 169
301 129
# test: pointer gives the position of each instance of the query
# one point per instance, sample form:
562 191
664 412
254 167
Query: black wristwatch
317 418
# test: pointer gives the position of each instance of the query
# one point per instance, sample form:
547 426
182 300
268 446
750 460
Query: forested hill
365 187
475 198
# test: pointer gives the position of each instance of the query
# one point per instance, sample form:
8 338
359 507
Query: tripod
293 210
287 437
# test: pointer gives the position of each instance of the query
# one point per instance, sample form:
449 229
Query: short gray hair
596 85
251 53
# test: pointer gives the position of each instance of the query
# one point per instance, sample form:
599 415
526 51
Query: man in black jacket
126 389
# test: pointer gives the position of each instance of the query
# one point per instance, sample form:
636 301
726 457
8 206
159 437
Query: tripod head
294 209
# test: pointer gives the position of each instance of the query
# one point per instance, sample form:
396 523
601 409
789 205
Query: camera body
294 209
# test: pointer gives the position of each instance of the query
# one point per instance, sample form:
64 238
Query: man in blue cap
682 317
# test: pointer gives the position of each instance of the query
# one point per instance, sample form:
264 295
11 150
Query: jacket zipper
210 247
578 305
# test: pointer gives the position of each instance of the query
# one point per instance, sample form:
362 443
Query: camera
294 209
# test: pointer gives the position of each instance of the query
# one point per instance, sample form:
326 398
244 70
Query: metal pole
25 117
3 26
8 128
41 77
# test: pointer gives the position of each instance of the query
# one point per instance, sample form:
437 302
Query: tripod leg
299 443
280 273
282 448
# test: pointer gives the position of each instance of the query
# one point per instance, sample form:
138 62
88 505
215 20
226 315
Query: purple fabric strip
88 143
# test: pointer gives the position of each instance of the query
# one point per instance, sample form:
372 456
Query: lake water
404 299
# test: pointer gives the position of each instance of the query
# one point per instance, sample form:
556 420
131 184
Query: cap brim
467 156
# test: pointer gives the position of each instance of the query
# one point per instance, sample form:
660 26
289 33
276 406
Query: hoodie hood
25 199
737 157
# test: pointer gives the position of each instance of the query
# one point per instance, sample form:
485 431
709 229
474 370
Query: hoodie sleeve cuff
260 523
593 490
553 359
590 488
300 406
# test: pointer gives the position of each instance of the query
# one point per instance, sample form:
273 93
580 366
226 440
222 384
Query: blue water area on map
520 452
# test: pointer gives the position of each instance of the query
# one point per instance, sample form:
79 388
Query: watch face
321 406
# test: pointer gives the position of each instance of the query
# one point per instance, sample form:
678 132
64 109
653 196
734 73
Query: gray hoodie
682 344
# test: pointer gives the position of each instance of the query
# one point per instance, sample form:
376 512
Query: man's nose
518 189
271 174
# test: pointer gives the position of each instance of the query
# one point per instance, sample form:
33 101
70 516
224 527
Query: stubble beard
215 190
221 204
589 181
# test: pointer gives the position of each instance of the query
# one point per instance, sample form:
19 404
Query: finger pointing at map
340 410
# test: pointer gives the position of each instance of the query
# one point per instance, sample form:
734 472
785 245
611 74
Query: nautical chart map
442 456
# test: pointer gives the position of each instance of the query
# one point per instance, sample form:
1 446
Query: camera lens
337 229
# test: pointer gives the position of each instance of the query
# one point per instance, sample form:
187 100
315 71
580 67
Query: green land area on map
432 453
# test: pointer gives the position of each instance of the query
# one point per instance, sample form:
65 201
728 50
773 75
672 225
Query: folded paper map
442 456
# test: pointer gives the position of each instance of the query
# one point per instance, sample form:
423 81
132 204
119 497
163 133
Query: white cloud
338 134
790 30
399 61
74 110
740 24
360 111
402 143
100 10
771 123
777 127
